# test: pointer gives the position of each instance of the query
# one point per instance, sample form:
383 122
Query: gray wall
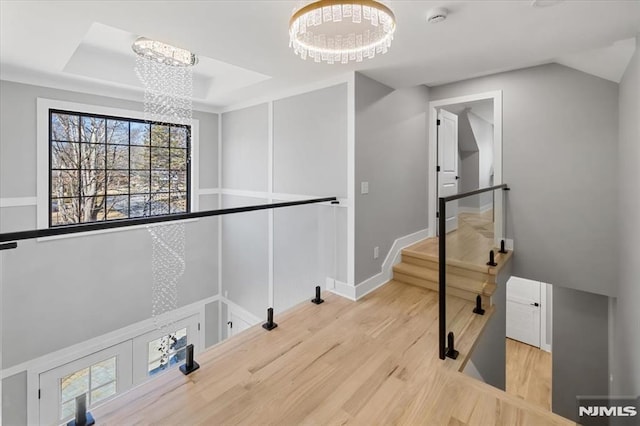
489 355
310 143
580 352
244 148
483 134
559 136
626 316
212 321
49 285
391 154
14 400
245 259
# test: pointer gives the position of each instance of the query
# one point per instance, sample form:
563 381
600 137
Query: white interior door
523 311
448 162
236 324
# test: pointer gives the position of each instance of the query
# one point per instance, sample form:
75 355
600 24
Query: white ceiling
243 45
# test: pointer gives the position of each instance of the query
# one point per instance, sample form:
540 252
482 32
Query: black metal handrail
442 258
10 238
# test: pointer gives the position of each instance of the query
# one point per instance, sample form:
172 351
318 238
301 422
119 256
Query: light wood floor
529 373
369 362
470 243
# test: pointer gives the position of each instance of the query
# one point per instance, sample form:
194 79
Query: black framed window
105 168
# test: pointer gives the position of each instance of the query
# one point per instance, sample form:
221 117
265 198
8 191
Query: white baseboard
341 289
393 257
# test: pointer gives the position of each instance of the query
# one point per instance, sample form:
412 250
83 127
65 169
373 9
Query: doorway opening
465 153
528 346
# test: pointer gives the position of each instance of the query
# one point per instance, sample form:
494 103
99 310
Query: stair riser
453 280
433 265
452 291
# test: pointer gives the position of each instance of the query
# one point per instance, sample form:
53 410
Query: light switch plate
364 188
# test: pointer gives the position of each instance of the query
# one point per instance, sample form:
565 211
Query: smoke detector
436 15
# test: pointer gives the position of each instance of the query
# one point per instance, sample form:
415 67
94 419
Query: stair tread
453 280
500 259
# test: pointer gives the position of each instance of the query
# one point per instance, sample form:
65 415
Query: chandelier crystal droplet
335 31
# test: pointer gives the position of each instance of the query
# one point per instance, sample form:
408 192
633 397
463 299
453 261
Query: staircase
465 280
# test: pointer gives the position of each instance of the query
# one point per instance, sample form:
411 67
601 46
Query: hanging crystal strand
167 98
168 265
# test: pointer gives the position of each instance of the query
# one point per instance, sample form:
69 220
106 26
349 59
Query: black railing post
478 309
269 325
502 247
189 365
451 351
82 416
318 300
492 259
442 272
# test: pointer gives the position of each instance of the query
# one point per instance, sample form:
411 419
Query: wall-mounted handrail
442 259
121 223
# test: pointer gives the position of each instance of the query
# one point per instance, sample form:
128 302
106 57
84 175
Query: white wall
391 154
626 315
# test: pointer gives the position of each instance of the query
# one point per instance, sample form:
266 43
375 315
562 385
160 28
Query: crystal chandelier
164 53
166 73
341 30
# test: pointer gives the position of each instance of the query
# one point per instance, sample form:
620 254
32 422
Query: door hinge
438 122
39 393
437 168
198 326
437 215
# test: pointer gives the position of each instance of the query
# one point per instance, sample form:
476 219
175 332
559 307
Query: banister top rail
121 223
474 192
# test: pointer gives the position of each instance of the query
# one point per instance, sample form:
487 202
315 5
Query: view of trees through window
104 168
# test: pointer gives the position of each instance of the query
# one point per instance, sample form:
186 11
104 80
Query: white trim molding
208 191
546 307
18 202
393 258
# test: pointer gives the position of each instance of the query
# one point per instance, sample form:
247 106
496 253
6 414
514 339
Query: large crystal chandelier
166 73
341 30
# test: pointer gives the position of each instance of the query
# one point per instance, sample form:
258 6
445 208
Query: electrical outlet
376 252
364 188
226 293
